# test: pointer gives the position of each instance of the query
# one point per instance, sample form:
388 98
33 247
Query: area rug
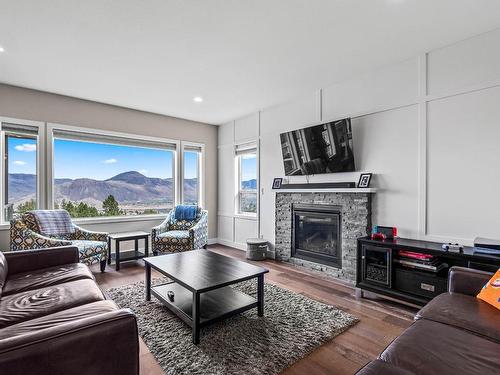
293 326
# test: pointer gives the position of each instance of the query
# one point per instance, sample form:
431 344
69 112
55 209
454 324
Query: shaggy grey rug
292 326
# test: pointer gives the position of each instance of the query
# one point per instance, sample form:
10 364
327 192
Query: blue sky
75 159
22 155
248 167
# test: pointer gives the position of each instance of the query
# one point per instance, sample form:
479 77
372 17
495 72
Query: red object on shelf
378 236
411 254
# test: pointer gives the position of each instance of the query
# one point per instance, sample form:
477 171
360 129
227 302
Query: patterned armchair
41 229
177 234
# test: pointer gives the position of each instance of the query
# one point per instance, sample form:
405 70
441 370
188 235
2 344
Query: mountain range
127 187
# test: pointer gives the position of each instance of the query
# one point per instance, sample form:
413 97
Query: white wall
234 229
427 127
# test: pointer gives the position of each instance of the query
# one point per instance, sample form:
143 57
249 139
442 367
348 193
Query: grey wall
35 105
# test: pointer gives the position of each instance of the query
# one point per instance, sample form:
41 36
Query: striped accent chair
178 233
42 229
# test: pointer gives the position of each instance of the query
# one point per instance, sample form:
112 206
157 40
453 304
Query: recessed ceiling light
2 49
197 99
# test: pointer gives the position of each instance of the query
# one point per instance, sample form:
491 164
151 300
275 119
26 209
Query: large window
111 176
191 175
246 159
94 174
19 183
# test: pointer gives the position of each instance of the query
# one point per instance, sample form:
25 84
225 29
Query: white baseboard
236 245
212 241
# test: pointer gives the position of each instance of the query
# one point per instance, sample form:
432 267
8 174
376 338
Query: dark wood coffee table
201 280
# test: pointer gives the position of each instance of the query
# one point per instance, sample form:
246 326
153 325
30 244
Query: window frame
40 165
254 150
51 127
184 146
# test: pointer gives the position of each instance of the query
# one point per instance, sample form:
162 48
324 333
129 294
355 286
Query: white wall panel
463 165
390 87
226 133
469 62
292 115
225 228
226 182
247 127
244 229
386 145
271 166
458 154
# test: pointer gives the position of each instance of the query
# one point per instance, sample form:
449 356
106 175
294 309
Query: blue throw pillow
185 212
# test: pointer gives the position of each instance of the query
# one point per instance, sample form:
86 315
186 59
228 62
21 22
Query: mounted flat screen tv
325 148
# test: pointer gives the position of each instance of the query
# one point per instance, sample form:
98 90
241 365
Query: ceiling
240 56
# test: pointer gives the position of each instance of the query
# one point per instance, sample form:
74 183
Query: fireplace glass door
317 237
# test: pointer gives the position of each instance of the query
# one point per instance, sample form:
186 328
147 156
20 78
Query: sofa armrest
89 235
107 343
199 232
22 238
467 280
29 260
163 227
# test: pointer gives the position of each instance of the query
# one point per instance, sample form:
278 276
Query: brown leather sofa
55 320
455 333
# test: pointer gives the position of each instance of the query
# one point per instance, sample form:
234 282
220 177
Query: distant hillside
249 184
125 187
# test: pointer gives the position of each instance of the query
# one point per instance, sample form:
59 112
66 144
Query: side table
123 256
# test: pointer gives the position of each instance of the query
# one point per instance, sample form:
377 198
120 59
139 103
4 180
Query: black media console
411 270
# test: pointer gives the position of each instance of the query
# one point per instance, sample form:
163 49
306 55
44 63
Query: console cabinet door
376 265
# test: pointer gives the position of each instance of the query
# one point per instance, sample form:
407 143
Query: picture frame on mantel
277 183
364 180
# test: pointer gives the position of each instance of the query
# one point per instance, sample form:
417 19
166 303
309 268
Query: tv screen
325 148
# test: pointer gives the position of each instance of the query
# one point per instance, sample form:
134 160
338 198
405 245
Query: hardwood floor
380 320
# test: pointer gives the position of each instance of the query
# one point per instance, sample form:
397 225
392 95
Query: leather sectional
54 319
455 333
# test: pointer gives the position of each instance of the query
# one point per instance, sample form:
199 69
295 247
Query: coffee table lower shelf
215 305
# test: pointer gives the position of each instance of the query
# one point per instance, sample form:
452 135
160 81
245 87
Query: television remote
171 295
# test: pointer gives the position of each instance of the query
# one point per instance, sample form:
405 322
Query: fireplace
317 233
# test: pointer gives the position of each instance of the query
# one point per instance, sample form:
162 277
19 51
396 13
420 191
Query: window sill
118 219
106 220
246 216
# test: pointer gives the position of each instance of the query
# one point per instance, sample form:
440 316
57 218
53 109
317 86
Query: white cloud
143 171
27 147
110 161
19 162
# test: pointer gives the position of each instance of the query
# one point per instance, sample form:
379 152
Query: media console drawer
419 283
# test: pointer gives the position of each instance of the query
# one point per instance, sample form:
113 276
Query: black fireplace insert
317 233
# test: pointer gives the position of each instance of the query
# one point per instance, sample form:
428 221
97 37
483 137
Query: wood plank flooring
380 320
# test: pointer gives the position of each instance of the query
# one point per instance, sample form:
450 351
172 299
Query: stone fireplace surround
356 222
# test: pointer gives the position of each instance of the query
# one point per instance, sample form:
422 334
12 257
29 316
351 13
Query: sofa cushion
379 367
90 248
491 291
32 304
464 312
62 317
4 270
429 347
45 277
174 234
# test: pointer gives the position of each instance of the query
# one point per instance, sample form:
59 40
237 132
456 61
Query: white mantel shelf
331 190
